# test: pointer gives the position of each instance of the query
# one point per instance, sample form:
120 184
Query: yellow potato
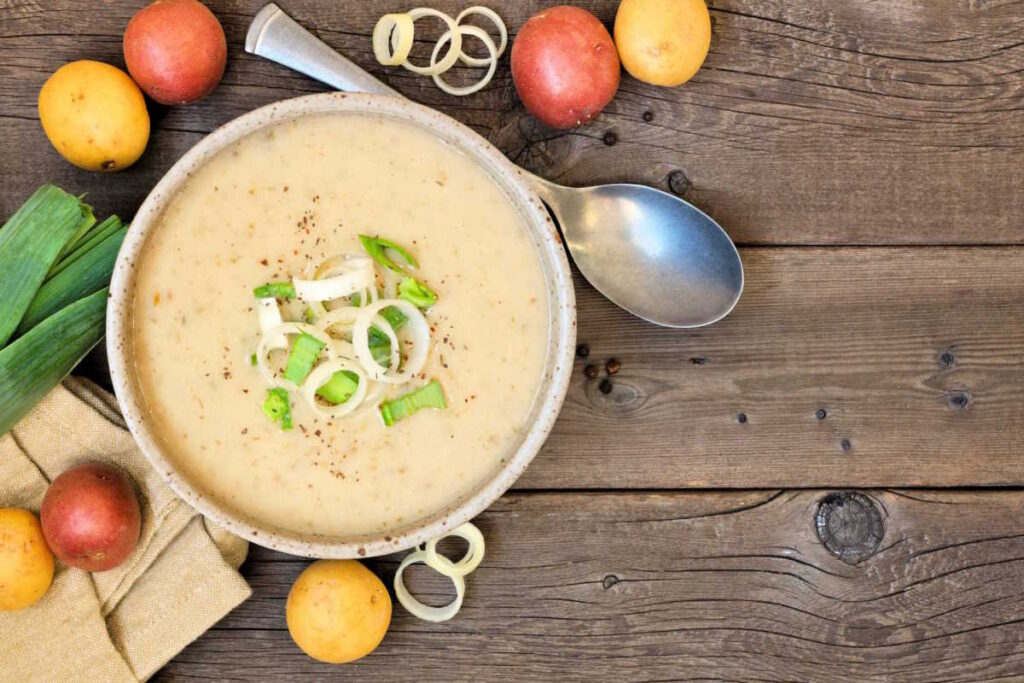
26 563
338 611
94 115
662 42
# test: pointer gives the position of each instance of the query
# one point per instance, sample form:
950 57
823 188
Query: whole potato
26 564
175 50
663 42
94 115
338 611
564 66
91 517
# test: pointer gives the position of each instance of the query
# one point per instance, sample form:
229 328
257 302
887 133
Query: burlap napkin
124 624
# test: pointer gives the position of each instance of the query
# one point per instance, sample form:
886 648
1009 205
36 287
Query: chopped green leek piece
380 343
377 248
30 242
416 292
277 407
275 290
309 316
303 356
253 361
429 396
339 387
394 316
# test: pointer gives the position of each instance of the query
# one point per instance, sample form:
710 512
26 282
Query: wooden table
821 487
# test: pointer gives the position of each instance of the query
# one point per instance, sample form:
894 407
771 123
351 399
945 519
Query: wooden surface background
868 157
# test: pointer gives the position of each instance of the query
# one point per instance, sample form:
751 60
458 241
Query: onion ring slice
387 48
480 34
321 374
488 13
453 52
270 317
470 561
417 608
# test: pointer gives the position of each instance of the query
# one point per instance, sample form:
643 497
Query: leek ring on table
417 608
453 52
469 562
392 39
480 34
502 33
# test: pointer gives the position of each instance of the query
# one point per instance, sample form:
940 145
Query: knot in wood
849 525
679 183
610 138
958 399
947 358
609 581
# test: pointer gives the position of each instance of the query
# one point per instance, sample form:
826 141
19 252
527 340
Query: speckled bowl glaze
561 337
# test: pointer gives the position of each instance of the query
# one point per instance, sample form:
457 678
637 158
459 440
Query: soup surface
265 209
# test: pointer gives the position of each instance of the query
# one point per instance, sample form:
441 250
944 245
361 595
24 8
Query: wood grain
819 122
682 587
839 367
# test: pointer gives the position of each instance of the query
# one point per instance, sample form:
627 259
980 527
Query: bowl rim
561 337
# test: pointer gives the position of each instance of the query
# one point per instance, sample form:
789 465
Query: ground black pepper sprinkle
590 371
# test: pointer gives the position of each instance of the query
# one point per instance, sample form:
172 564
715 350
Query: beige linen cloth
123 624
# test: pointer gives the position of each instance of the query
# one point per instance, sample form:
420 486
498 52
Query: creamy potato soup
285 207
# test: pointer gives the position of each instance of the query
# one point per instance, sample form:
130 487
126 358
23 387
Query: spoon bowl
650 252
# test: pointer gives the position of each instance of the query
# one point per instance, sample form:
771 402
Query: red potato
91 517
564 66
175 50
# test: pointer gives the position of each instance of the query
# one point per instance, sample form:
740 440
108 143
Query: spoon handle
276 36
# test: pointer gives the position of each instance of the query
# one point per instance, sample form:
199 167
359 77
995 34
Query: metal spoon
653 254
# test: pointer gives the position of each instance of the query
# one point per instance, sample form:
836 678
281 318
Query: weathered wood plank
915 358
817 122
727 586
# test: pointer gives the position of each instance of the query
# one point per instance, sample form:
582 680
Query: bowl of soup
341 325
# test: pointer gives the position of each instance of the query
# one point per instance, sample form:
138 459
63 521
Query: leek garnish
277 407
380 344
429 396
377 248
309 316
303 356
339 387
253 360
417 293
275 290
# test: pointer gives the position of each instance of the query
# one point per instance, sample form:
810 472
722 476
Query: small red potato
175 50
564 66
91 517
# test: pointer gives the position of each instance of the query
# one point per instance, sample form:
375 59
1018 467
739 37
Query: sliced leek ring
470 561
392 39
488 13
321 375
453 52
271 342
481 35
419 336
417 608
